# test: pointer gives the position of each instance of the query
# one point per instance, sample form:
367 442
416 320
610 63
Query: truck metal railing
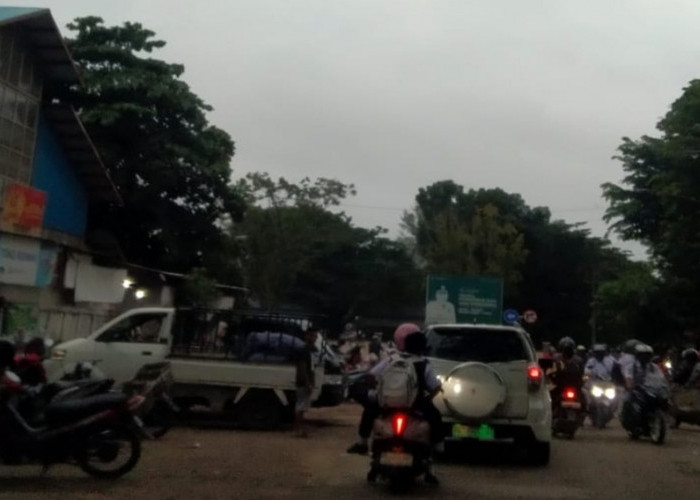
256 336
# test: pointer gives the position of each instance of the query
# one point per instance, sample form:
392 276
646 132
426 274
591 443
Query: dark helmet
599 351
566 343
690 354
416 343
35 346
7 354
566 346
644 353
629 346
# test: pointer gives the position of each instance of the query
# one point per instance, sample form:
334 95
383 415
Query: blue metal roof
46 40
11 14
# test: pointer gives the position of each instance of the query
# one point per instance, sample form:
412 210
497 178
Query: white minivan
493 386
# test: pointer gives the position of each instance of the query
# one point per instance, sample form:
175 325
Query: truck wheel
259 410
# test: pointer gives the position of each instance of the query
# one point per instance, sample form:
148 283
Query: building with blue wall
50 174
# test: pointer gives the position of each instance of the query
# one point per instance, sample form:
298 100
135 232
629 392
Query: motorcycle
601 396
685 405
159 412
401 449
153 381
567 411
91 432
644 414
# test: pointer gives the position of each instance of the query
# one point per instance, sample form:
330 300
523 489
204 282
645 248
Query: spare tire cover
473 390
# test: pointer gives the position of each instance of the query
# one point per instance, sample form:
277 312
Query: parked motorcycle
602 399
685 405
401 448
644 414
567 412
97 433
153 381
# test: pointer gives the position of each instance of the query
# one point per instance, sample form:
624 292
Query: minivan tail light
398 422
534 377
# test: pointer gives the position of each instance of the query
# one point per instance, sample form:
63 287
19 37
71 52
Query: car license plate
571 404
483 432
394 459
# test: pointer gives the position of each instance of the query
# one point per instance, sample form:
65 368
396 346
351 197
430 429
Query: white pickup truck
209 367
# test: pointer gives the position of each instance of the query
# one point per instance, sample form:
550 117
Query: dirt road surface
196 463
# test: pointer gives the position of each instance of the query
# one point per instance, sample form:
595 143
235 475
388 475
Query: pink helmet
402 331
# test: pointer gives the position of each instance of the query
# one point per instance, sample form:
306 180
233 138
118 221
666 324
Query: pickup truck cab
210 368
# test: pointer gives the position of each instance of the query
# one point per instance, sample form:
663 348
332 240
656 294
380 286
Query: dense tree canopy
657 202
171 166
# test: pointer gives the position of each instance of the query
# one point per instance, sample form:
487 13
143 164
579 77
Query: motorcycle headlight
610 393
596 391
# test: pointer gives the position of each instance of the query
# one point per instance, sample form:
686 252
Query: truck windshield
485 345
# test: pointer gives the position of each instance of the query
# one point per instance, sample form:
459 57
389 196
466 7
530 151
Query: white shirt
432 383
597 370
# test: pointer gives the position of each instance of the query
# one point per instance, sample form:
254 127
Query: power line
401 209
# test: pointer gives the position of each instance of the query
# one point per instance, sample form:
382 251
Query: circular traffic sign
510 316
529 316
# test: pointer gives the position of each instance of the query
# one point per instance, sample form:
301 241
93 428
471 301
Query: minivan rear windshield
486 345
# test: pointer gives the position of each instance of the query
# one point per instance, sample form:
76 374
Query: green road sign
464 299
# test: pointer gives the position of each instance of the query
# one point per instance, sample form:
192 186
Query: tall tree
299 253
561 270
455 234
171 166
657 201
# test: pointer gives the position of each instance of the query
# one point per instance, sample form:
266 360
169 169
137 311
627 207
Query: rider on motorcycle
689 360
643 372
565 371
596 367
411 342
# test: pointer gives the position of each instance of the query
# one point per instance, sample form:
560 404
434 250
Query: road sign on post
529 316
464 299
511 316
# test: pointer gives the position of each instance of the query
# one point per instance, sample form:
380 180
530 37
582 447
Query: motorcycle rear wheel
102 449
657 428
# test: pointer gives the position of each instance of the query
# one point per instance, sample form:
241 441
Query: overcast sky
531 96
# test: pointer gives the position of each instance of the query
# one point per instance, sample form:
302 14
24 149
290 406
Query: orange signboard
23 209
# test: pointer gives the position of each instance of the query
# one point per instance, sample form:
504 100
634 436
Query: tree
657 204
172 168
455 235
299 253
559 273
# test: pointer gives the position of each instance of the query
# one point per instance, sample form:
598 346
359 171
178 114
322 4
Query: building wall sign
22 209
25 261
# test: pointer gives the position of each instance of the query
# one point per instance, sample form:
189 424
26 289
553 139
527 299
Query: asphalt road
197 463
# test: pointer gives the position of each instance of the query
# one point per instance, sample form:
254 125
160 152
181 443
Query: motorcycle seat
84 407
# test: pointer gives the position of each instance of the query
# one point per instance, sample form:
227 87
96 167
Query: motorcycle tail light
398 422
569 394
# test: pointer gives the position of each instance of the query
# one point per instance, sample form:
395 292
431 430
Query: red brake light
534 373
569 394
399 424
